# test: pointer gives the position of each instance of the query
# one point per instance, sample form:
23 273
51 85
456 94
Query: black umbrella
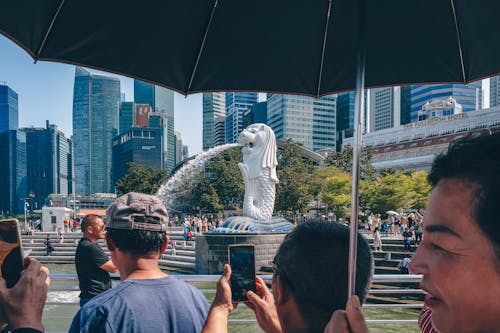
294 46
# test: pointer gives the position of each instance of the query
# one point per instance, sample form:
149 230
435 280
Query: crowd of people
458 258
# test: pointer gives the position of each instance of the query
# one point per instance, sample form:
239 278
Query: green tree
225 176
343 161
141 179
292 192
397 190
336 193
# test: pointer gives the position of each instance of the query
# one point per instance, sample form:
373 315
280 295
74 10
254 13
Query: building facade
139 145
162 102
49 163
468 95
9 113
96 102
303 119
415 145
214 107
256 114
13 173
236 105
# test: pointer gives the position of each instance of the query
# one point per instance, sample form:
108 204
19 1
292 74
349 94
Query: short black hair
313 260
475 159
89 220
138 242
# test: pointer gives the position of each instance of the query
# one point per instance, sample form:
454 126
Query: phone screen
242 261
11 253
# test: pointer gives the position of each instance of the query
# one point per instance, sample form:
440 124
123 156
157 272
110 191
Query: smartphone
11 251
242 262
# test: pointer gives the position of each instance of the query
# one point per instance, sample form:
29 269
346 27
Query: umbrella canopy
292 46
391 212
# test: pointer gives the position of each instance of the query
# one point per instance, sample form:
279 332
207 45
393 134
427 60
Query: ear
165 244
110 244
281 291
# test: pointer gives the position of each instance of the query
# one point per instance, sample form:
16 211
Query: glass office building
9 116
236 105
49 163
468 95
303 119
214 106
96 102
13 180
162 101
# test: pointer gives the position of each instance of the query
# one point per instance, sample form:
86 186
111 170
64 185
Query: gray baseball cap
133 211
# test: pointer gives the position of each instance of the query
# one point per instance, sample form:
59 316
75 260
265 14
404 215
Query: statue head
259 149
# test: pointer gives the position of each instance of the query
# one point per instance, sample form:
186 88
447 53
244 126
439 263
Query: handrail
377 279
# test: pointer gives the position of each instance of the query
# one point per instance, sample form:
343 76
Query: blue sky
45 92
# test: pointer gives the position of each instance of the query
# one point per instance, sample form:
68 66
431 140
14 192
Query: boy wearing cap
147 299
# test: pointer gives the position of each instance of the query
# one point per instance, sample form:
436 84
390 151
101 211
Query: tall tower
214 106
12 154
303 119
464 94
236 105
49 164
9 114
162 101
494 91
96 101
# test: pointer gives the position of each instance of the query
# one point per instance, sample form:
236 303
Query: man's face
461 274
98 229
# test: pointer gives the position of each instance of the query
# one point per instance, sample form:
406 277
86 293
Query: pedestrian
48 245
75 225
92 264
377 240
147 299
60 236
66 225
407 236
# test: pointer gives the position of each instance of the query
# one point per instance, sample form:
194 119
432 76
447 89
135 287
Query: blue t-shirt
153 305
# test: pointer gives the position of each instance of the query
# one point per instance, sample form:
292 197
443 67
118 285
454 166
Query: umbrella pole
359 107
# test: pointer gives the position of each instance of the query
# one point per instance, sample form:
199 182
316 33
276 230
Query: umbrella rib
323 48
202 45
457 30
56 14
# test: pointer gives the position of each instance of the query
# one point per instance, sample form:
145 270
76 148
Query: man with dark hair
459 256
309 281
92 264
147 299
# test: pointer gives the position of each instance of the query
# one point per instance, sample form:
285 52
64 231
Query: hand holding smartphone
11 251
242 262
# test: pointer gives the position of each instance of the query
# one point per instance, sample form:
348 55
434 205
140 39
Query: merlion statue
259 171
259 174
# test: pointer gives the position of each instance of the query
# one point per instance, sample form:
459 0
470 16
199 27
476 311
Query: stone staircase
182 260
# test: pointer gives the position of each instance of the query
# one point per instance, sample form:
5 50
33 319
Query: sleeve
89 319
97 255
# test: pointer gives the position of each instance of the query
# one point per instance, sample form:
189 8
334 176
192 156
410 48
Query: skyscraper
236 104
162 101
385 108
494 91
214 106
9 117
96 101
139 145
303 119
466 95
49 166
13 183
